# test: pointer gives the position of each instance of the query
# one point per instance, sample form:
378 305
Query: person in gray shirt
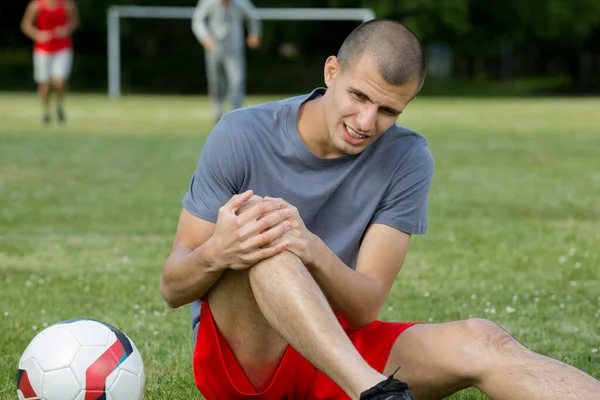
219 26
294 228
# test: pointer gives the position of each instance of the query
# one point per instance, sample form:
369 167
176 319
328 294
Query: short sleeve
405 203
218 174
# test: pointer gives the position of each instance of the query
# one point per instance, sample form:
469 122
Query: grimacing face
361 105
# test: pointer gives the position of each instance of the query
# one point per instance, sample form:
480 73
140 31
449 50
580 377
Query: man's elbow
363 318
169 296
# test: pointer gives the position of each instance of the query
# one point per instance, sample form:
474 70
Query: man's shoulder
400 139
398 133
405 149
270 111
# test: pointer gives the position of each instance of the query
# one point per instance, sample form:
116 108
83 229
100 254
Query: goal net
115 13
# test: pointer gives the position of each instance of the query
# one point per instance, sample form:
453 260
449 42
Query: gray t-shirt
259 148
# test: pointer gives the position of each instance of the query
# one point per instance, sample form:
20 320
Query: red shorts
219 376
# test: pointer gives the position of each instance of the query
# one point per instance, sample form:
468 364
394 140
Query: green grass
88 213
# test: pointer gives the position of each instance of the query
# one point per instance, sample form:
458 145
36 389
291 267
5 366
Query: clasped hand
250 229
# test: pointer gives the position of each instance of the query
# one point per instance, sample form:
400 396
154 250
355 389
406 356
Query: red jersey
48 19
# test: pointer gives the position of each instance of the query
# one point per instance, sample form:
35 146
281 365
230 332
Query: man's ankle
366 383
389 389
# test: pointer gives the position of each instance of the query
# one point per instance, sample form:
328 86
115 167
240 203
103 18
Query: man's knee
250 202
238 283
486 335
44 87
269 267
58 84
481 345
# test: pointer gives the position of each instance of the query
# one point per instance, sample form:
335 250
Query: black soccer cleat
46 119
390 389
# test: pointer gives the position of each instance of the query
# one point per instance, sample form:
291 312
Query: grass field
88 212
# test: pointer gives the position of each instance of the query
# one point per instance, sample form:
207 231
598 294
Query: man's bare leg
44 95
59 86
440 359
277 302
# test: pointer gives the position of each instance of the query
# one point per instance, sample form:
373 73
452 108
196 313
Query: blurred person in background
50 24
219 26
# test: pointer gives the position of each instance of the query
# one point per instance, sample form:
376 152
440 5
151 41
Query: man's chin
352 150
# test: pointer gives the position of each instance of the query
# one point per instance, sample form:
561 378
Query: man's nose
366 118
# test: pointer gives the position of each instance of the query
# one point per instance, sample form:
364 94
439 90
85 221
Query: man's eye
358 96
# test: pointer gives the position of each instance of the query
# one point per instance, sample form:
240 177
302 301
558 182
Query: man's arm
251 14
254 24
188 273
202 250
27 26
74 18
359 295
356 295
73 21
199 24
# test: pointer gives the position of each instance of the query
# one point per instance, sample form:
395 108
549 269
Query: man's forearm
354 297
74 20
198 21
254 25
73 25
254 22
29 30
188 276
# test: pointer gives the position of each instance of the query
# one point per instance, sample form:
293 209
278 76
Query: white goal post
115 13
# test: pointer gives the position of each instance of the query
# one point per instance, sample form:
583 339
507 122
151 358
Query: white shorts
52 66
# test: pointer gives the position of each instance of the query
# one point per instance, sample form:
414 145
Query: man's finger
257 210
267 252
269 236
236 201
281 201
278 200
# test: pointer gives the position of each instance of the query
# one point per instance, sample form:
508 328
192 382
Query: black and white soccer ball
81 359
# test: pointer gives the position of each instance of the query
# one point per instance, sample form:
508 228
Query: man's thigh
234 64
62 64
431 359
240 320
42 63
213 60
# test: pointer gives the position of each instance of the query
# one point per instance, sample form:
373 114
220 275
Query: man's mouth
354 134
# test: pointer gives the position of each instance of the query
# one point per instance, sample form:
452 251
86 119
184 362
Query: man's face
360 105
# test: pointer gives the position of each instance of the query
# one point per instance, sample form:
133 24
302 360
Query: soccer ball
81 359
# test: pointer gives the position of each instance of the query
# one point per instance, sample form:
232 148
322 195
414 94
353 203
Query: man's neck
312 127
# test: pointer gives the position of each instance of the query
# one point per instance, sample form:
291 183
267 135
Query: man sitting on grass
286 286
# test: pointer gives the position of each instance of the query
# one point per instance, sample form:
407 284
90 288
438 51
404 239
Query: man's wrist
319 251
208 257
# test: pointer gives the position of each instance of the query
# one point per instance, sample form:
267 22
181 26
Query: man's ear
331 70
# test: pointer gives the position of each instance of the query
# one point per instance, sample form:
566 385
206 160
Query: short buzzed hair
395 49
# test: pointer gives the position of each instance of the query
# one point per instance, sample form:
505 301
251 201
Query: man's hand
244 227
62 31
207 43
43 36
253 41
302 242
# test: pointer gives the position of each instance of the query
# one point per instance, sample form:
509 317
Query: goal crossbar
115 13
